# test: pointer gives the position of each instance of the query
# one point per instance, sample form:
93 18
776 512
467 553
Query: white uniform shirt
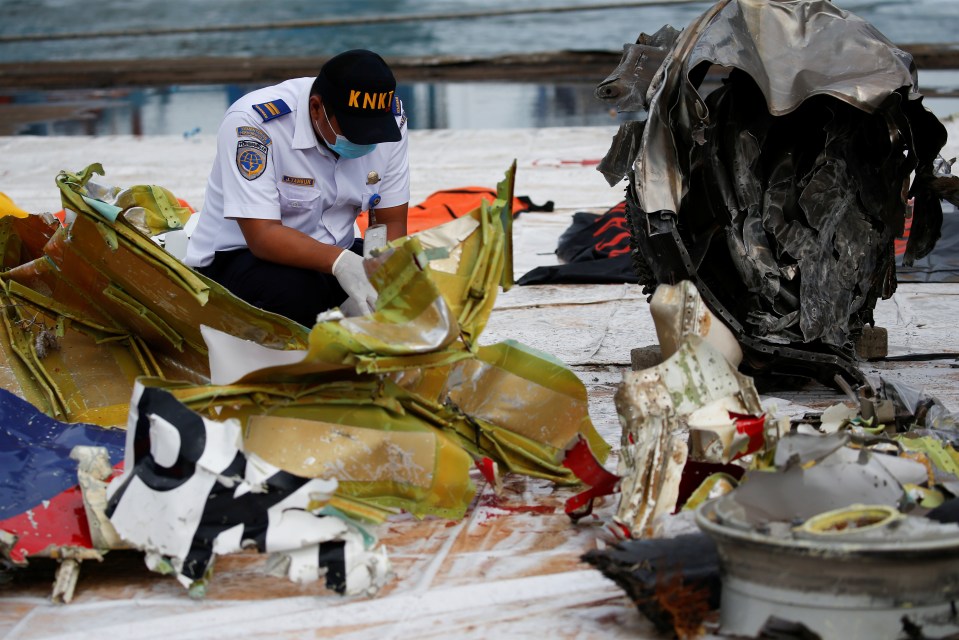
302 183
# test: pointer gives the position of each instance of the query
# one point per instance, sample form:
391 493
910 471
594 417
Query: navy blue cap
358 87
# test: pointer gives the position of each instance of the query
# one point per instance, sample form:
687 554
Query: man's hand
348 271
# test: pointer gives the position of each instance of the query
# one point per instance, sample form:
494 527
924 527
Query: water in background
189 109
901 21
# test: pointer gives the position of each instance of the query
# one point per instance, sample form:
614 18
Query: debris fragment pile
246 430
840 523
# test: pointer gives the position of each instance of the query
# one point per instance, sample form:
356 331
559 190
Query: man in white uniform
295 164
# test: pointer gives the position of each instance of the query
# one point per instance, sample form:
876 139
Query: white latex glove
349 272
352 309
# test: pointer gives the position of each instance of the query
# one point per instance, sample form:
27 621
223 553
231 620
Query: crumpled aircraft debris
90 306
780 192
372 414
39 480
679 311
42 510
843 502
909 409
861 523
189 491
855 552
694 405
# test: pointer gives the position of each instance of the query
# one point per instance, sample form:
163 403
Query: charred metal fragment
780 193
627 85
659 574
615 165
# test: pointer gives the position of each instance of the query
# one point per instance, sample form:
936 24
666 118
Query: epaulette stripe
272 109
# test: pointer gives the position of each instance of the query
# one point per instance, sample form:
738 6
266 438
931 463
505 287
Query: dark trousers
298 294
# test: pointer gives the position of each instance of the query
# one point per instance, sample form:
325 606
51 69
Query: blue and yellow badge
272 109
253 132
251 158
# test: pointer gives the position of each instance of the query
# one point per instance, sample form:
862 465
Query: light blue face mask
342 146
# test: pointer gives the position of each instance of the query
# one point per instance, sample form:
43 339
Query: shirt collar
303 136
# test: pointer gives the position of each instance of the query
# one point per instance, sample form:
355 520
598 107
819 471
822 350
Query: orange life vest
449 204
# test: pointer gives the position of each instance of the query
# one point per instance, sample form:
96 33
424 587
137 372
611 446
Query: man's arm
270 240
395 220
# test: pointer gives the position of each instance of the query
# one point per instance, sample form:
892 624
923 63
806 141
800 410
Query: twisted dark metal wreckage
780 192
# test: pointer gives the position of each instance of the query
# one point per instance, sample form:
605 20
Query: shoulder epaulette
272 109
397 106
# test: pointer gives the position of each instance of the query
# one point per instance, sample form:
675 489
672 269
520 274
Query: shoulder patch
253 132
397 106
272 109
251 158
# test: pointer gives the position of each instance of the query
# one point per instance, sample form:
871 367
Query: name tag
302 182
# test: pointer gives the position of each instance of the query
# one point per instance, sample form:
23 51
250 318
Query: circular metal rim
820 544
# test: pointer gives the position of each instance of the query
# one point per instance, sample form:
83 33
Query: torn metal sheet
659 407
43 511
215 499
781 192
391 410
626 88
918 412
653 452
583 463
679 311
816 474
386 452
504 402
90 306
518 407
94 473
40 502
